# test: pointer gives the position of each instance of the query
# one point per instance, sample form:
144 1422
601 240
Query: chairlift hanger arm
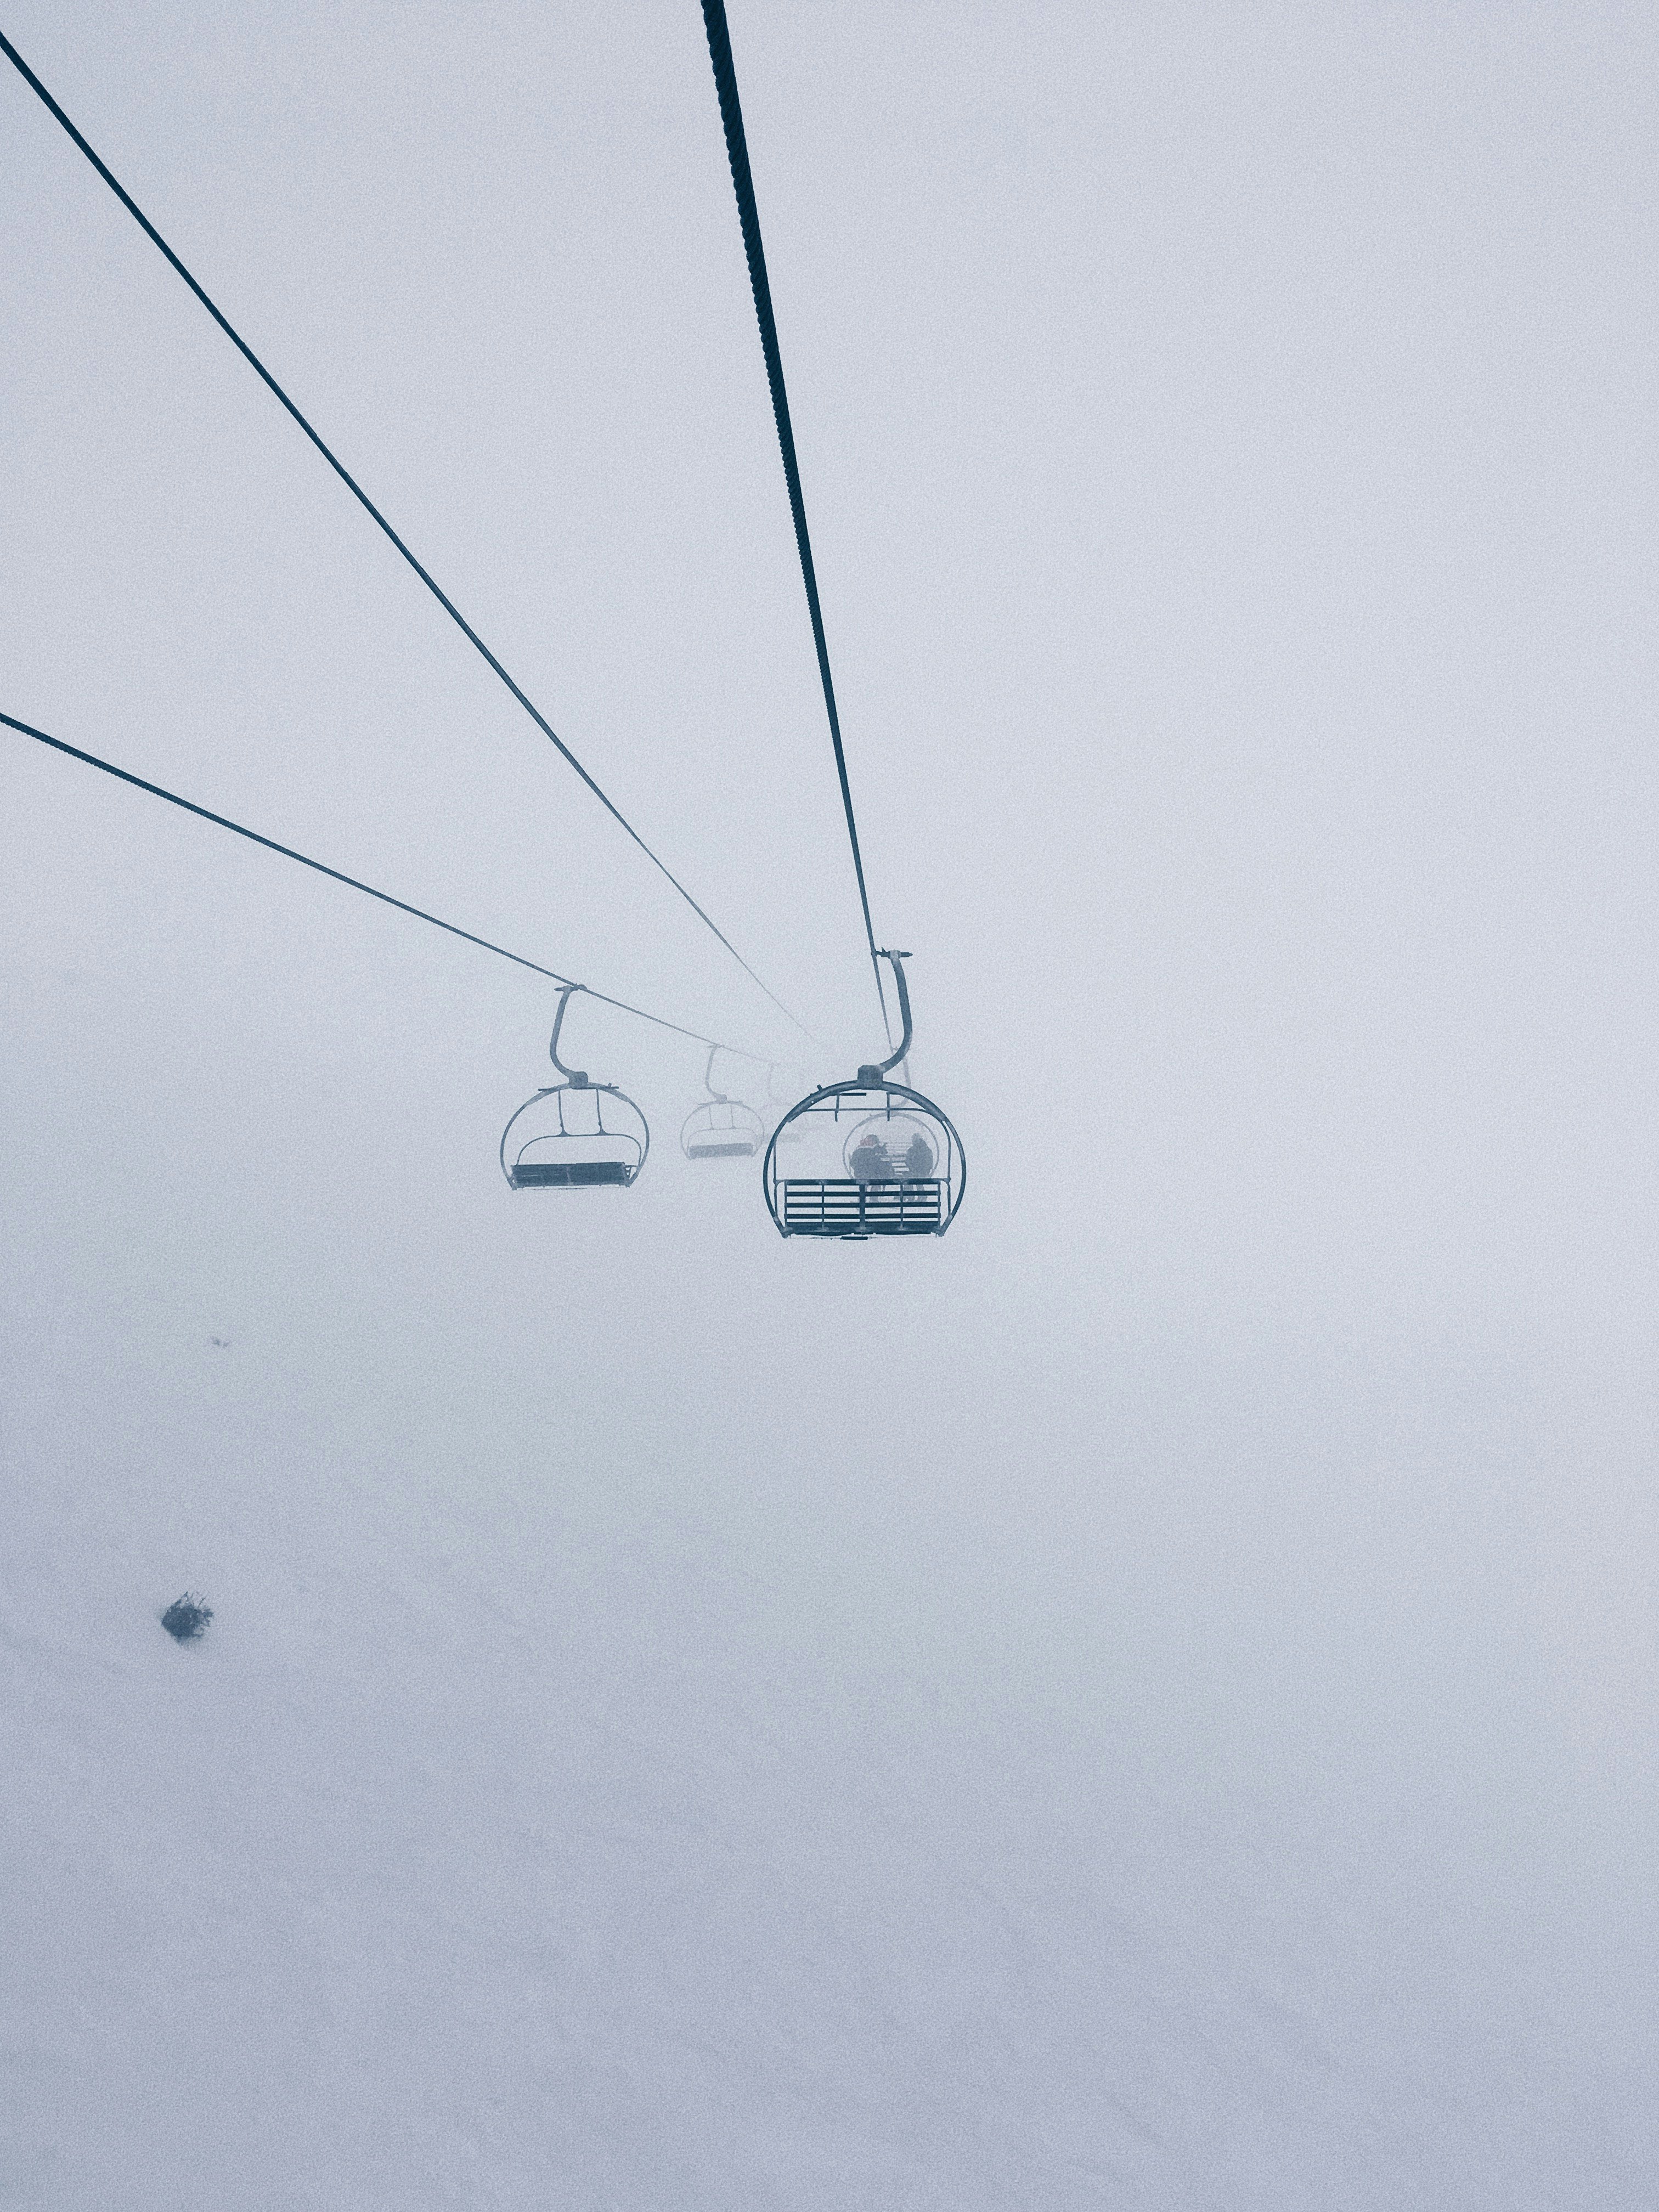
873 1072
575 1076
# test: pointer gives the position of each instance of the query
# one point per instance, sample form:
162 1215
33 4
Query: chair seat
566 1174
735 1148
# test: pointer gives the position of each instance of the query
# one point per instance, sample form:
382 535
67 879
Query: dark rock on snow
185 1618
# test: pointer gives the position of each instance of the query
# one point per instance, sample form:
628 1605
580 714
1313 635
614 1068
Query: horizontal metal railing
829 1205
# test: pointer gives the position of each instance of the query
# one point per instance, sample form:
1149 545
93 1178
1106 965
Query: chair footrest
838 1206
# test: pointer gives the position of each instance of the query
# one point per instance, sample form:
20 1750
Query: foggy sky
1229 437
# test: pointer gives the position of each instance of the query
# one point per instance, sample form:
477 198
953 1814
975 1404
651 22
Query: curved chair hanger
576 1077
872 1072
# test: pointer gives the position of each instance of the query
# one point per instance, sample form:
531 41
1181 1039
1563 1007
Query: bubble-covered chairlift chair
561 1139
721 1128
868 1158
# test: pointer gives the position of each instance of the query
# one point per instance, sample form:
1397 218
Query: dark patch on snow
185 1618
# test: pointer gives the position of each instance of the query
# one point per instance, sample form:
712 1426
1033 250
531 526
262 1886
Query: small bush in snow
185 1618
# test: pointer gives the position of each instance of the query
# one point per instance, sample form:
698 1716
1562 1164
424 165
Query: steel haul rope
737 148
369 508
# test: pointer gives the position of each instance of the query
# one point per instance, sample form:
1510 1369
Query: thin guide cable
373 511
352 883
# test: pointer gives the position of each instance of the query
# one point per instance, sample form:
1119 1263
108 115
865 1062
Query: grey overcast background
1149 1702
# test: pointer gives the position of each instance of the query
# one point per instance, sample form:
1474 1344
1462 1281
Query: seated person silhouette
870 1161
918 1162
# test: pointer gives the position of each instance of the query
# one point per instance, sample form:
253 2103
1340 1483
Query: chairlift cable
737 148
373 511
352 883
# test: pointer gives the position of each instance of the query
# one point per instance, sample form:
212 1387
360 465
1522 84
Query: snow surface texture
657 1810
790 1750
1149 1703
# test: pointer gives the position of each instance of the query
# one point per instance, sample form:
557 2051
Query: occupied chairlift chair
869 1158
721 1128
565 1142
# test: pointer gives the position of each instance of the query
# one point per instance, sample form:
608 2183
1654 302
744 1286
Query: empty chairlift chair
575 1134
867 1158
790 1135
721 1128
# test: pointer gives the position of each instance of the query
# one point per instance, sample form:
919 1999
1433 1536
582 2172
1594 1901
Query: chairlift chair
789 1134
564 1140
870 1157
721 1128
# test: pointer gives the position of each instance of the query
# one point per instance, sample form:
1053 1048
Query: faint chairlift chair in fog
720 1128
